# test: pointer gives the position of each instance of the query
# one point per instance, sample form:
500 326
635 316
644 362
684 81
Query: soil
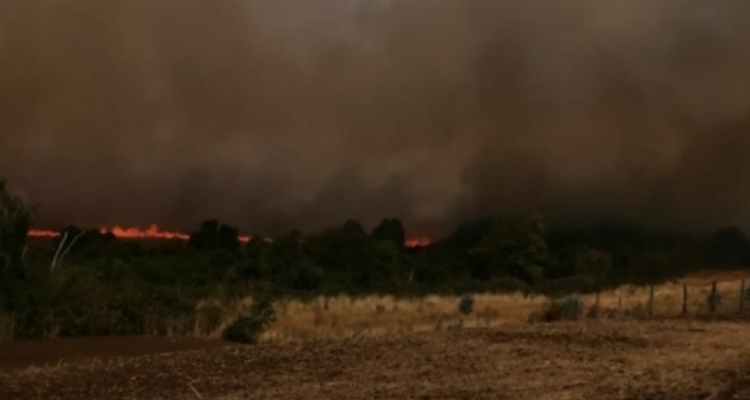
584 360
14 355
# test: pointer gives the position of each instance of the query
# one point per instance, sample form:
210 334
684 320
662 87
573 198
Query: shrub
569 308
248 328
466 304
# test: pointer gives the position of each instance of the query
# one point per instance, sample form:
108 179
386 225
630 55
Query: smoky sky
273 115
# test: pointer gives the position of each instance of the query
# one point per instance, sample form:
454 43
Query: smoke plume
283 114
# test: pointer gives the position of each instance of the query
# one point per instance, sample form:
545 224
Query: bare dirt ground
18 354
579 360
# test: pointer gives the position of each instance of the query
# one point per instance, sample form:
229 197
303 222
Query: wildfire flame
42 233
417 242
153 232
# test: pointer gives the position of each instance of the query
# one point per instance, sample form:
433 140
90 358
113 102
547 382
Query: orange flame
417 242
153 232
42 233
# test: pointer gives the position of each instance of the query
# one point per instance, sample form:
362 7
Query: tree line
99 284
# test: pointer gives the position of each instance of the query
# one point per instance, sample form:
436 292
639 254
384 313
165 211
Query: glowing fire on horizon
417 242
153 232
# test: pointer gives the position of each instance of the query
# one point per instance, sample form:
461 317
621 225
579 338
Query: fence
677 299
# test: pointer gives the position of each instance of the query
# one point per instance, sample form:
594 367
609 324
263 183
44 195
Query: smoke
273 115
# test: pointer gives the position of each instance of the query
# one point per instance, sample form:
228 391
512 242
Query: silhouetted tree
512 248
213 236
392 230
255 266
729 246
608 235
469 234
353 228
15 221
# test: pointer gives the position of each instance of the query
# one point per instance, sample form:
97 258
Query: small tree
213 235
511 247
390 229
15 221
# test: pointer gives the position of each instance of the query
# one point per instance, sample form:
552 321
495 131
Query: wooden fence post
742 295
684 298
712 302
651 302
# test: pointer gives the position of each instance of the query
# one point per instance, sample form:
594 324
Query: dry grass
344 348
670 360
381 316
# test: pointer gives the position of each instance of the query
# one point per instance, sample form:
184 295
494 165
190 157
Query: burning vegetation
154 233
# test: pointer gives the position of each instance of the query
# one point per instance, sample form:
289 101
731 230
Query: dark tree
390 229
469 234
353 228
15 221
215 236
512 248
730 246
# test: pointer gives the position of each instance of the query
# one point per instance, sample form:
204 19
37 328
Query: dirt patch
20 354
617 360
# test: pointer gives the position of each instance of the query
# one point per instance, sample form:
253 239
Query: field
678 359
383 316
381 347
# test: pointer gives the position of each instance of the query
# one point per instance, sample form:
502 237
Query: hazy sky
303 113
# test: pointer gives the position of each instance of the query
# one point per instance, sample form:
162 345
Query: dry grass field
383 316
379 347
678 359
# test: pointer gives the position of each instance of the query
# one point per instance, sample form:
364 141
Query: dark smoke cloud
280 114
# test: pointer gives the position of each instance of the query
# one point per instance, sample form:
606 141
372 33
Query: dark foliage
248 328
390 230
110 286
215 236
